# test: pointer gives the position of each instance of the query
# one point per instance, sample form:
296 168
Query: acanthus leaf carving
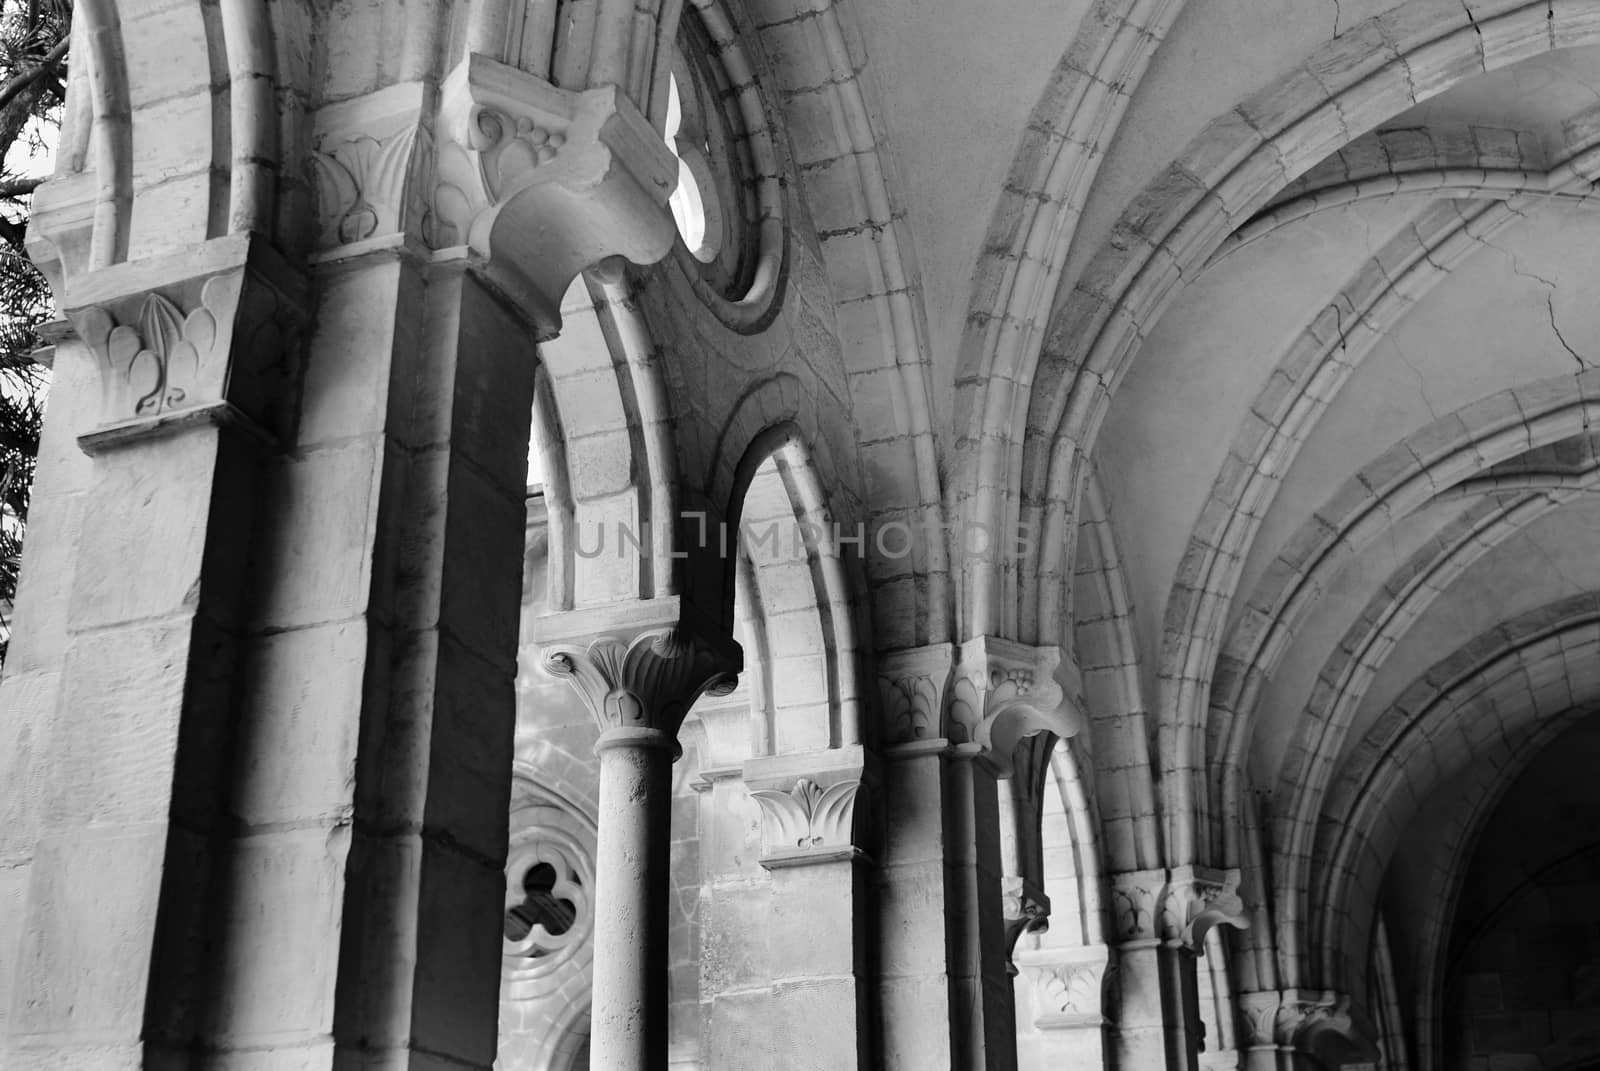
912 685
1005 692
364 183
222 344
1072 989
1135 897
545 182
1301 1020
807 818
646 676
1195 900
1068 986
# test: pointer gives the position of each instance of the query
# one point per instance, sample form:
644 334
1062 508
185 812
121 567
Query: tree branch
19 187
26 77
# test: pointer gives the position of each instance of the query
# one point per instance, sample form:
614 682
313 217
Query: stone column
268 749
813 831
955 718
639 667
1160 920
118 698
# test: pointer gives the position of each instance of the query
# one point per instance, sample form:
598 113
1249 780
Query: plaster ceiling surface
1485 328
1285 696
1176 413
1509 315
1538 94
1553 558
1217 54
958 83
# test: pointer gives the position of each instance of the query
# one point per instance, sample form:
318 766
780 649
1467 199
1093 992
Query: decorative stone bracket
812 805
370 158
1320 1022
546 182
1027 910
1198 898
639 665
1176 908
1067 985
211 335
1004 692
912 685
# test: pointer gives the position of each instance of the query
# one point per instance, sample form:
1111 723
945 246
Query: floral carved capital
807 819
1303 1020
1004 692
545 181
1195 900
646 676
1135 901
1068 986
911 684
212 336
814 805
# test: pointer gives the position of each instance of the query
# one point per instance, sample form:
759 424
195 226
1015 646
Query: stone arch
1230 170
1314 367
1493 430
1530 673
615 468
867 254
801 595
1062 969
1451 163
148 71
1349 671
1458 841
1107 657
1016 280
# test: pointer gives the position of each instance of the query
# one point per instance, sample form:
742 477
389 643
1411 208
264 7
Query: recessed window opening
689 199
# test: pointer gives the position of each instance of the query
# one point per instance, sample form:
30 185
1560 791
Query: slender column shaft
982 1016
628 1028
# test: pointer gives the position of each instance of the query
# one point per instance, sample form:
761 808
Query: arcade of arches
1056 535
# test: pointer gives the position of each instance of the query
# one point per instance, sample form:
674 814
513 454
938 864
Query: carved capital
812 805
1135 901
369 157
1321 1022
546 182
639 666
1195 900
1027 910
1004 692
912 684
1067 986
211 336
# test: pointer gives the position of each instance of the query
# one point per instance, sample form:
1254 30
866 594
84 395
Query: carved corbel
546 182
1320 1022
640 666
209 336
370 155
1004 692
1195 900
813 806
1135 900
1067 985
912 685
1027 910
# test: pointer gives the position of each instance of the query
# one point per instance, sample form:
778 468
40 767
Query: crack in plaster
1549 300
